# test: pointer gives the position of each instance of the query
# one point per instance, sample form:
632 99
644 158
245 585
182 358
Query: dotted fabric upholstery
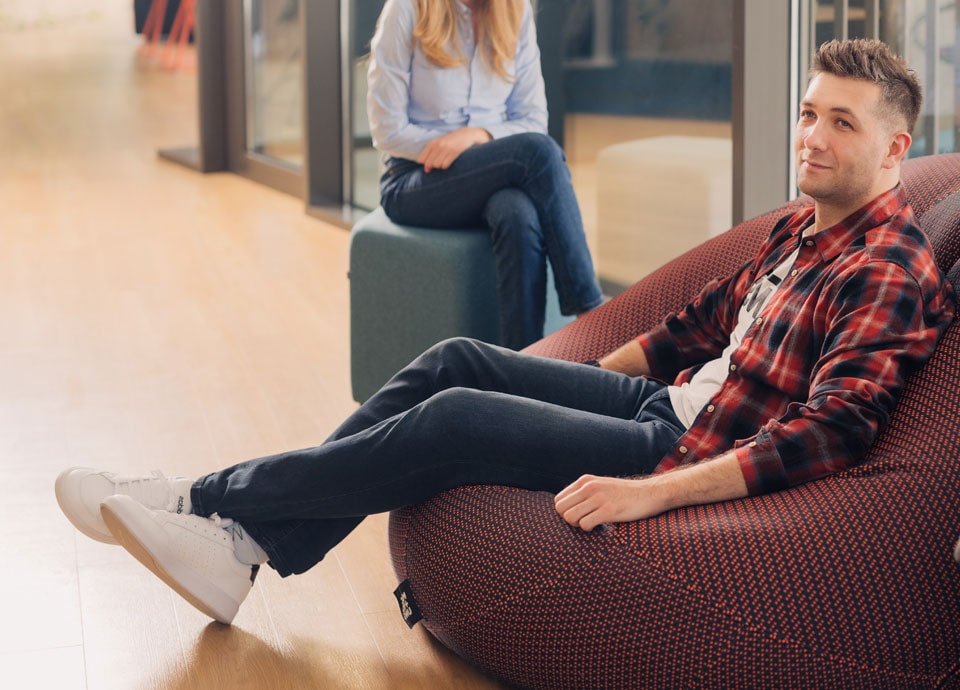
844 582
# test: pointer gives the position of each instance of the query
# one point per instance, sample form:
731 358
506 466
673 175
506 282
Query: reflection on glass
365 160
925 33
627 70
274 57
631 71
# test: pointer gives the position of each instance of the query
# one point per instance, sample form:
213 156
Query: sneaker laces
153 490
235 532
231 527
222 522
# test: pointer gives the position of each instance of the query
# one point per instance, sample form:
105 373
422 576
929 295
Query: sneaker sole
65 500
132 532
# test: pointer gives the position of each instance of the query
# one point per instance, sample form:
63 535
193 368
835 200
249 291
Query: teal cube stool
413 287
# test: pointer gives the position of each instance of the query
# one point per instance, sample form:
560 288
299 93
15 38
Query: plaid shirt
821 368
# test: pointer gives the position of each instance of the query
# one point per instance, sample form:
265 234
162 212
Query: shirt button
682 449
794 272
710 408
759 320
752 444
809 243
733 367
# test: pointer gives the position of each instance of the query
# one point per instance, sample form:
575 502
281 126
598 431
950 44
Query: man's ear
899 145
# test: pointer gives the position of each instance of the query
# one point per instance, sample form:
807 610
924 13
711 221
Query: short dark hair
872 60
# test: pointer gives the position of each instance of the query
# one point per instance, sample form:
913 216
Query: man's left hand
592 501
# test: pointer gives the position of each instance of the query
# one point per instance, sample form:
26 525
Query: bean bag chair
844 582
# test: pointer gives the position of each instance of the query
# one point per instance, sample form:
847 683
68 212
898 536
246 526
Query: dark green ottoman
413 287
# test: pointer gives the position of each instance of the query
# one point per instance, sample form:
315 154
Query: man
779 374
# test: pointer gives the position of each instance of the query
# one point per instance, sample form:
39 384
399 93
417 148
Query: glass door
628 82
263 91
925 33
362 161
273 55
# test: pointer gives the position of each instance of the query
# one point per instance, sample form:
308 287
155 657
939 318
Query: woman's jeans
519 187
464 412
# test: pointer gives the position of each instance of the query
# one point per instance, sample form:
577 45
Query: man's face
842 144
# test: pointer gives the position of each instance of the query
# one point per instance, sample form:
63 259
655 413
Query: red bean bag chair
847 581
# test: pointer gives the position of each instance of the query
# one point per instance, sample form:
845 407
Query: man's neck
827 215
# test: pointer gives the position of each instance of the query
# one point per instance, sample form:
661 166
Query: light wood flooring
152 317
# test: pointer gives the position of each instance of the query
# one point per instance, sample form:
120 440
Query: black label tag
408 605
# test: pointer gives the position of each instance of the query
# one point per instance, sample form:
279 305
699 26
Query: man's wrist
709 481
658 493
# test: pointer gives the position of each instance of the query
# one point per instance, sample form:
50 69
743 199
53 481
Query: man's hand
592 501
629 359
441 152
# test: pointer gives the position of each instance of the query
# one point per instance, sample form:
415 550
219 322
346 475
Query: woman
457 108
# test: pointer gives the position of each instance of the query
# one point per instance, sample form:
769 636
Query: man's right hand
629 359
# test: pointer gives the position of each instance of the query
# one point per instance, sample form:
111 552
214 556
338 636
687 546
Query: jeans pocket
663 437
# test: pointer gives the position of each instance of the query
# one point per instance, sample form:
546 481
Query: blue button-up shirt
410 101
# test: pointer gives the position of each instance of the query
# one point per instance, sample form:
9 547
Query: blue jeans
519 187
465 412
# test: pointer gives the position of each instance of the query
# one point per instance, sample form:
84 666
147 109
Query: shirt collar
834 239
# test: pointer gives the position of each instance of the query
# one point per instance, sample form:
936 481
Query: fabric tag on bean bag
408 605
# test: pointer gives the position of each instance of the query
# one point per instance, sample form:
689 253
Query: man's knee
451 410
462 361
452 351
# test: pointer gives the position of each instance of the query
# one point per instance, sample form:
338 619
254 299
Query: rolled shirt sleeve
875 337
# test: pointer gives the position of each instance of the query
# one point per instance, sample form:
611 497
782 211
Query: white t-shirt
689 398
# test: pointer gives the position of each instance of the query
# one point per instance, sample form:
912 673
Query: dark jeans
519 187
464 412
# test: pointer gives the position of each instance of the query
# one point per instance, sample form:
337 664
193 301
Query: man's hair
872 60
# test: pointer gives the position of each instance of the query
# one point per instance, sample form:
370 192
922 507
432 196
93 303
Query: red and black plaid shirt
821 368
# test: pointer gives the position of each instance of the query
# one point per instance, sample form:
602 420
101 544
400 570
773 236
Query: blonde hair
498 30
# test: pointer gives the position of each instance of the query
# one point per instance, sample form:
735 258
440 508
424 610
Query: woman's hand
441 152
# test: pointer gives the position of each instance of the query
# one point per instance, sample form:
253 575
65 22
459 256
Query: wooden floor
152 317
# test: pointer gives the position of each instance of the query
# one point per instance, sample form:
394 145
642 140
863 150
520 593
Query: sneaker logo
179 504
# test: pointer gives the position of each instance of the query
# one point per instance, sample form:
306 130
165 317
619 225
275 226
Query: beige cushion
657 198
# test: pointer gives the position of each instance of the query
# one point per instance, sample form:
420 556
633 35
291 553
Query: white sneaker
192 554
80 490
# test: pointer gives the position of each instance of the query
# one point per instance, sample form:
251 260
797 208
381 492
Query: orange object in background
175 54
